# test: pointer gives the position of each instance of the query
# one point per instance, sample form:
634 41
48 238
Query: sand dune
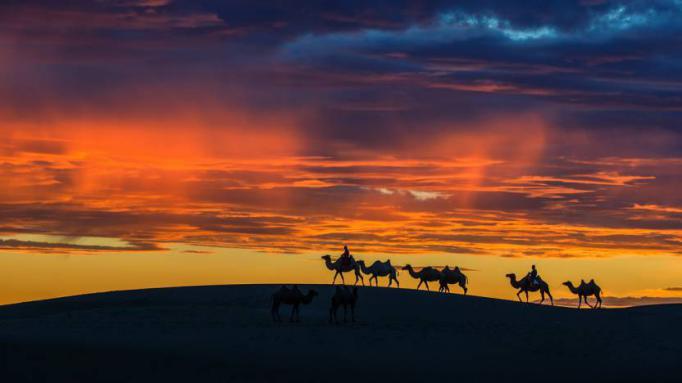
224 333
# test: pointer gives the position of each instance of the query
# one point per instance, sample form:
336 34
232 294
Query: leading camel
380 269
425 275
341 267
451 277
585 290
524 285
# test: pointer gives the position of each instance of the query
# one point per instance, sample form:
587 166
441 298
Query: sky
154 143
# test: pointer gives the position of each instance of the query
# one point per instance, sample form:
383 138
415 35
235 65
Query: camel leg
551 299
336 275
586 302
542 296
426 283
359 276
343 280
580 300
598 301
518 295
396 282
420 283
526 296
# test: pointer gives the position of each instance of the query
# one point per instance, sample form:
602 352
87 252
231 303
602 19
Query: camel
585 290
524 285
425 275
293 297
341 268
454 276
343 297
380 269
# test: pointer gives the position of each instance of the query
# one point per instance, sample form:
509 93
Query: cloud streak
484 128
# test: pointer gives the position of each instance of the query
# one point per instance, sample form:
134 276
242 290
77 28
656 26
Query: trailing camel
343 297
425 275
585 290
380 269
340 267
293 297
525 285
451 277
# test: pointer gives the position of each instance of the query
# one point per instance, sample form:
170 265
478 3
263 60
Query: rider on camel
346 258
533 276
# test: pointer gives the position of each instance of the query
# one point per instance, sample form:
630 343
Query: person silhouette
533 276
345 256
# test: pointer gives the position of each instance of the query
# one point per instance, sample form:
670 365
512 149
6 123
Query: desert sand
225 334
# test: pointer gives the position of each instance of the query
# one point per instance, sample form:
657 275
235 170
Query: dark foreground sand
224 334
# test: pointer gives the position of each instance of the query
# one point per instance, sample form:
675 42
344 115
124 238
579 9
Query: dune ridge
225 333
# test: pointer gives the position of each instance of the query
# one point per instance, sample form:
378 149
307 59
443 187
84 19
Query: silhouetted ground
225 334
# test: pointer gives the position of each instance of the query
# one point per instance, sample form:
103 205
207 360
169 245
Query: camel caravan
531 282
347 297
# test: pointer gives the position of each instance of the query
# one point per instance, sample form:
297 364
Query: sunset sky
150 143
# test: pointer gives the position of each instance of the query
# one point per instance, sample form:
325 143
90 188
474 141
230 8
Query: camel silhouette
380 269
292 297
451 277
343 297
524 285
340 267
425 275
585 290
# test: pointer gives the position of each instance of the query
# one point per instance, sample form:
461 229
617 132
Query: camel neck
413 274
573 289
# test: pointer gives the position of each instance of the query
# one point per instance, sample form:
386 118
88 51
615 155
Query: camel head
327 257
567 283
511 276
407 267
